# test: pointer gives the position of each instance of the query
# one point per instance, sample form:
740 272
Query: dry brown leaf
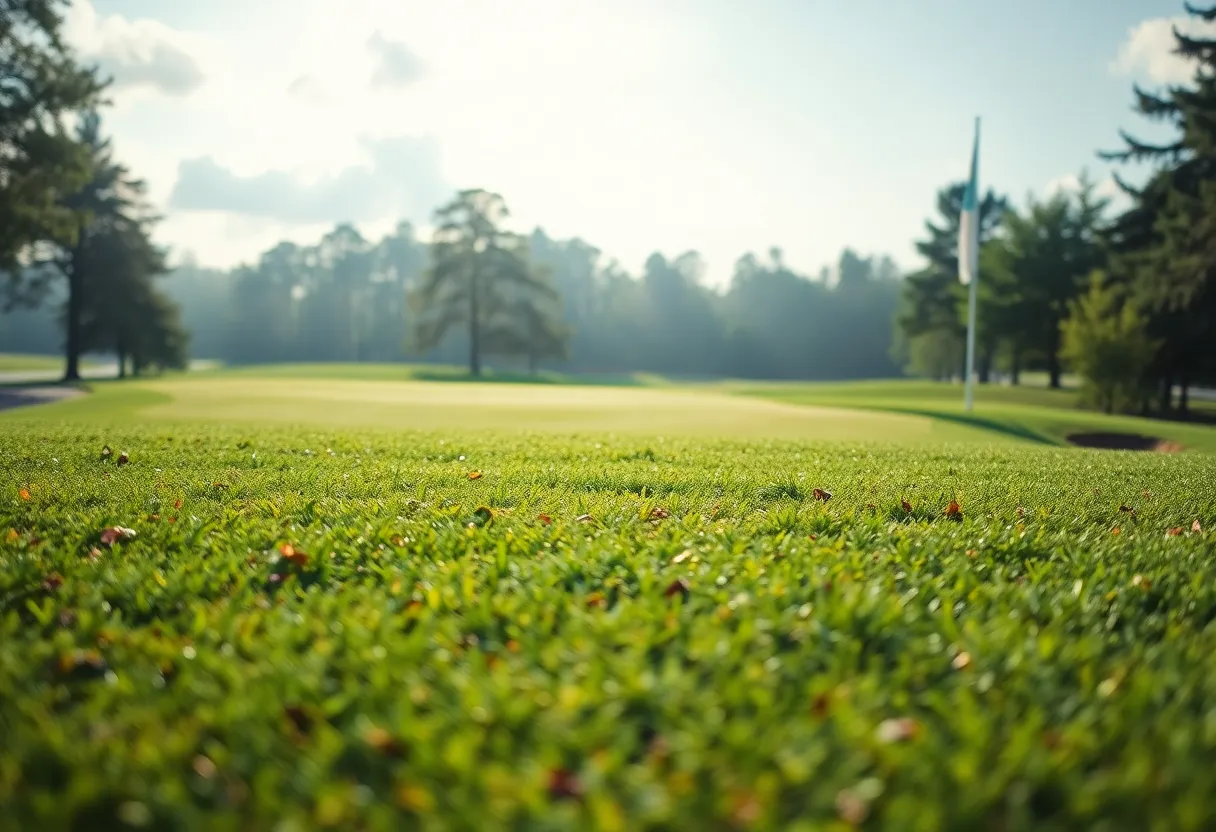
293 555
545 519
1141 582
954 510
820 494
123 458
475 475
564 784
962 661
1115 530
658 513
1196 528
24 494
677 587
177 503
1127 509
906 506
1174 532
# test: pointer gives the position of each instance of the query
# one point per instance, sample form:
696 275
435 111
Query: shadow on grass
1007 428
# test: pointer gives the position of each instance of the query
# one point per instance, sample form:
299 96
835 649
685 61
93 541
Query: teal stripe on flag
971 195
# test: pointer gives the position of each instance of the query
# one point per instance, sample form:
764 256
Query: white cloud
134 53
1148 51
396 64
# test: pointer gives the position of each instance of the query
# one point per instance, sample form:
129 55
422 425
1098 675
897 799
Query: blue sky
712 125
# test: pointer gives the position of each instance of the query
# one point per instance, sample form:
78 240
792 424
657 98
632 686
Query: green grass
617 608
20 363
1034 414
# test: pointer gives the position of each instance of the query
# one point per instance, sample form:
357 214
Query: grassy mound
241 627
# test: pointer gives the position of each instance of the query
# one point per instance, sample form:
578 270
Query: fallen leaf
596 599
821 704
1196 528
52 582
954 510
1125 508
106 453
1021 512
658 513
67 619
820 494
384 742
1174 532
962 661
512 646
851 808
24 494
177 503
563 784
683 556
1141 582
203 767
123 458
677 587
293 555
220 485
114 534
1115 530
12 536
545 519
83 664
897 730
299 718
583 518
475 475
483 516
906 506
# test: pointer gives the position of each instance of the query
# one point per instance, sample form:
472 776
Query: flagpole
969 395
968 390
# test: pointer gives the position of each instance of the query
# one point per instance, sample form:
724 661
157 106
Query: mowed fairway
423 405
245 603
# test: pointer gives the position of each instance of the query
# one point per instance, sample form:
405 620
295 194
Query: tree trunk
984 370
532 363
1167 393
1015 367
122 363
1184 404
1053 370
474 332
75 308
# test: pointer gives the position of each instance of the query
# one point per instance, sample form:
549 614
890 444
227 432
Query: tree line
1127 301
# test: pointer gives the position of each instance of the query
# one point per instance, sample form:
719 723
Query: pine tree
40 83
1165 244
479 274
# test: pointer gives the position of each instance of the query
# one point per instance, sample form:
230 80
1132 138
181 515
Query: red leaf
293 555
475 475
1174 532
954 510
677 587
658 513
820 494
123 458
906 506
177 503
545 519
24 494
564 784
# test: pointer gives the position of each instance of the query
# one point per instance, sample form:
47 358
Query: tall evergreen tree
40 83
1165 244
477 270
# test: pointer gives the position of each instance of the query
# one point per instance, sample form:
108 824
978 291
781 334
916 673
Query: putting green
486 406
